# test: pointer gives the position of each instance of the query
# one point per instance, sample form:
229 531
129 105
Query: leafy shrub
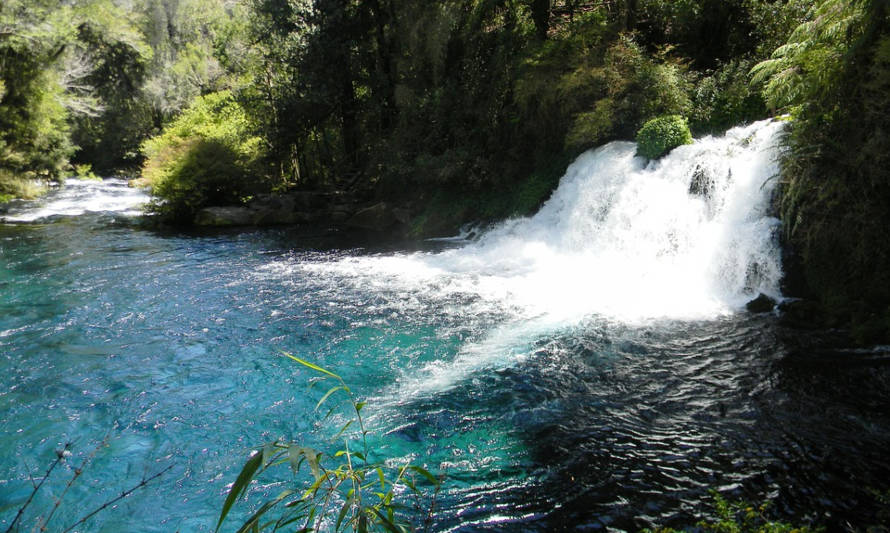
207 156
34 129
347 488
12 187
85 172
661 135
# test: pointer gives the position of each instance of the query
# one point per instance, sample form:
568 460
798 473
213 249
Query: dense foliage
207 156
661 135
833 76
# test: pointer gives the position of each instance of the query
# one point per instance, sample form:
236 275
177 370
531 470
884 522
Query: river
590 367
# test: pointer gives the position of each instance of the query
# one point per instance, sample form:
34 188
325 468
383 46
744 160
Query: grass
13 187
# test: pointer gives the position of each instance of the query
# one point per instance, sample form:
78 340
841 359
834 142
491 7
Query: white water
620 240
78 197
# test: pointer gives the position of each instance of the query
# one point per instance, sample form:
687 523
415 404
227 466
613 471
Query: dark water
167 346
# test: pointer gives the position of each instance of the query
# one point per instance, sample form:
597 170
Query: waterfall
622 239
687 236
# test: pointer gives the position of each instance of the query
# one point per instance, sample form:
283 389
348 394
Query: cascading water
78 197
686 237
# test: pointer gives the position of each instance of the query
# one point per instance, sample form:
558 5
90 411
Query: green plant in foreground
345 491
661 135
741 517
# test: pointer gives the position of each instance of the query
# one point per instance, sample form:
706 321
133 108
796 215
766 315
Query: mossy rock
661 135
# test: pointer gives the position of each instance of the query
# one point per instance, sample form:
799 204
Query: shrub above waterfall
661 135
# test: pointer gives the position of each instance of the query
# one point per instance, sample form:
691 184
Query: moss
661 135
448 210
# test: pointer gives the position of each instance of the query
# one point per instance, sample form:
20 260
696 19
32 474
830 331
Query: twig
77 472
145 481
428 522
60 455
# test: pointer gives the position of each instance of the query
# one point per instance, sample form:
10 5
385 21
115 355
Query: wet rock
801 314
297 207
225 216
761 304
702 183
273 209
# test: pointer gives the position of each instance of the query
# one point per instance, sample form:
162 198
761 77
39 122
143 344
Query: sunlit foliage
207 156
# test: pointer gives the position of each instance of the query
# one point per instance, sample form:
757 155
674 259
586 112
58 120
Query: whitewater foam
687 237
78 197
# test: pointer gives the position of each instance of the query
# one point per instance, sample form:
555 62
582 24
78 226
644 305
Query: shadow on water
620 427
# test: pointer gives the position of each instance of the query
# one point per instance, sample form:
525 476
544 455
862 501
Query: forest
456 110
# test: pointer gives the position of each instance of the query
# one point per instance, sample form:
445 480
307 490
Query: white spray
621 239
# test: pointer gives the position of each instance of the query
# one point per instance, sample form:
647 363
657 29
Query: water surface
588 368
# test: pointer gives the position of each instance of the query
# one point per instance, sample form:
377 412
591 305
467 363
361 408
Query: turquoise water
492 360
168 346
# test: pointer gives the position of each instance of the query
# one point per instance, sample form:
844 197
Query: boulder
702 183
225 216
378 217
761 304
801 314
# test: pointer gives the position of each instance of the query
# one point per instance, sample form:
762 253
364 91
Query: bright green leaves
241 484
344 488
207 156
810 63
661 135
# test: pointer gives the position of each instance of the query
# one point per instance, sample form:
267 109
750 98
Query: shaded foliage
834 75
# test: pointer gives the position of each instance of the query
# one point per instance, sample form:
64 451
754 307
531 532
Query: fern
809 64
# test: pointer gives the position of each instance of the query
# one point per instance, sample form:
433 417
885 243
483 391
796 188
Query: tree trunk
541 17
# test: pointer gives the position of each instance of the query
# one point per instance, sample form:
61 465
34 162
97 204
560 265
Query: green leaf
343 511
253 522
268 452
296 457
425 473
312 366
359 406
344 428
240 485
386 521
312 457
328 394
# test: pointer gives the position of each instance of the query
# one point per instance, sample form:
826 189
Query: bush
13 187
661 135
207 156
724 98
